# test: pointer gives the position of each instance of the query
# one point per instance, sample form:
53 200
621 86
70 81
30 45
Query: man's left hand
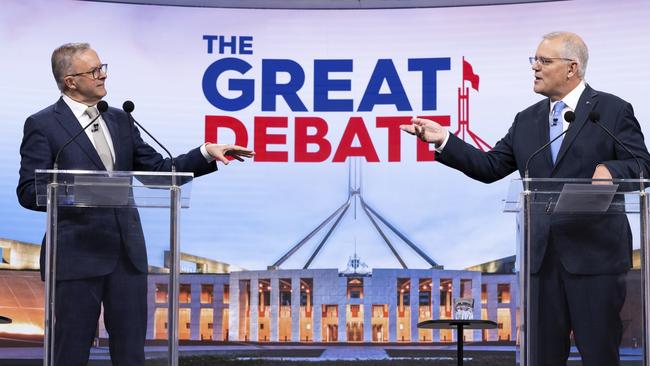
602 172
222 151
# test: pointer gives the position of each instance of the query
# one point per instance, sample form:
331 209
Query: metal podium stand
119 190
534 200
459 325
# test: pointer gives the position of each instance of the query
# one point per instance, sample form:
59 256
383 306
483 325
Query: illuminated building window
466 288
483 293
226 294
355 288
264 310
184 318
306 309
207 292
284 315
446 307
160 323
424 308
162 291
380 323
185 294
404 309
503 324
503 293
330 323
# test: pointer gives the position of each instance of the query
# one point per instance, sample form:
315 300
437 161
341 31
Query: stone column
317 310
455 293
255 307
295 307
415 308
233 308
367 309
217 306
492 305
195 308
435 303
476 295
275 306
392 307
342 304
514 302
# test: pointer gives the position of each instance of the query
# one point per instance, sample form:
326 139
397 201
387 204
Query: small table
5 320
459 325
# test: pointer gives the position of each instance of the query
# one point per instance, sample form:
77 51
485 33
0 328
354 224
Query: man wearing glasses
578 265
101 254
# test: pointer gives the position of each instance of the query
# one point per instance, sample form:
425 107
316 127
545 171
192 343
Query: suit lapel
71 125
544 132
585 105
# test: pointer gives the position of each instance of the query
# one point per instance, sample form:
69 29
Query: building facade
324 305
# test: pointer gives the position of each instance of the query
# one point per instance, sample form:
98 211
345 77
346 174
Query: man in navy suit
578 262
101 254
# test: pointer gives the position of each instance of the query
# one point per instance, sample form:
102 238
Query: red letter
357 128
262 139
394 134
213 123
302 139
423 151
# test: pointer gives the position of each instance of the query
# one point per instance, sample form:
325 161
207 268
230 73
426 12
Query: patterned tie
557 127
101 144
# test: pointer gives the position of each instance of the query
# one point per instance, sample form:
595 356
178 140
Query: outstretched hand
426 130
221 152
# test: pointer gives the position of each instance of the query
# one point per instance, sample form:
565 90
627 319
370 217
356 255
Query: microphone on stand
129 107
102 107
595 118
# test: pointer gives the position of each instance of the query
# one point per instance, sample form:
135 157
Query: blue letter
210 39
246 45
289 91
429 68
384 70
232 45
246 86
323 85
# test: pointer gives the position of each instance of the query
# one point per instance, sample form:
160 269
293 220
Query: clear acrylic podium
89 189
536 199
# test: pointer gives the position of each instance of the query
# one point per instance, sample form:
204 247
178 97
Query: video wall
319 94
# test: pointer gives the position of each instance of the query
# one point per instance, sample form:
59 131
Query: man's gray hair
62 60
574 48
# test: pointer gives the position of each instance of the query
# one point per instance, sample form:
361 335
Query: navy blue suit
577 252
101 254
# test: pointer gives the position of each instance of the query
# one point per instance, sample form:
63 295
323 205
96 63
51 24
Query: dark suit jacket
587 243
90 240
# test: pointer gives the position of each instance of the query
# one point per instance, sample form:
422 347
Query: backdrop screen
311 91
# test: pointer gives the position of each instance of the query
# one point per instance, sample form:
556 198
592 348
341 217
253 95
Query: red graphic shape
463 108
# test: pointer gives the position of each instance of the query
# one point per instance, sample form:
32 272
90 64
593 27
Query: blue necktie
557 127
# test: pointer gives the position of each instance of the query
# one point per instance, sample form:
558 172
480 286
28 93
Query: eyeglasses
546 60
96 72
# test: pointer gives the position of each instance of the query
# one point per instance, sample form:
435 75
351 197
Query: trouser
587 305
78 304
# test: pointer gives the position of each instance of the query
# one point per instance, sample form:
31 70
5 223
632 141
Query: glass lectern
539 203
121 190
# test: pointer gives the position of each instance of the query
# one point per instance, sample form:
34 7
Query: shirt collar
78 108
571 99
